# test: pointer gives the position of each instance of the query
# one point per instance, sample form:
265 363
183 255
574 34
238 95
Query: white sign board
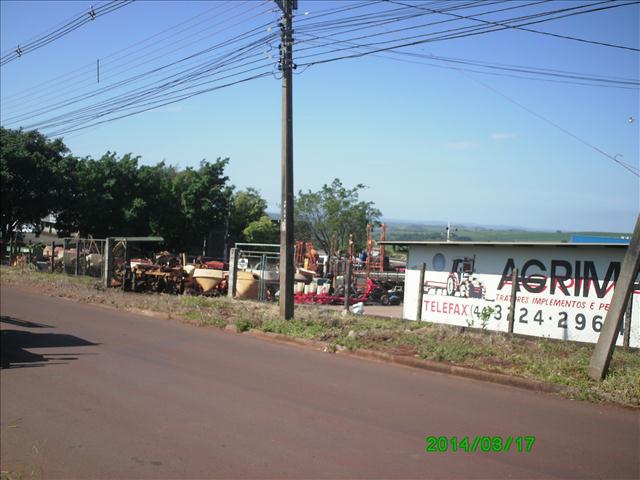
564 291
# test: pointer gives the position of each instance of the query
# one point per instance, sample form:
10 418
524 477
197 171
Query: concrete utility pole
599 364
286 203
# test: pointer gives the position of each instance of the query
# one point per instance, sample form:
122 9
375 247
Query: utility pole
286 203
601 357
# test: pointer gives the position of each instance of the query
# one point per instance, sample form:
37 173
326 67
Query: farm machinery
461 280
375 292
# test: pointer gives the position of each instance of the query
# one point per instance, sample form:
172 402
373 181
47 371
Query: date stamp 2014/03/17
479 443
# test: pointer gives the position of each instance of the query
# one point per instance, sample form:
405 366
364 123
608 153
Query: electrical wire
454 33
66 77
557 76
65 29
152 91
123 65
566 37
147 74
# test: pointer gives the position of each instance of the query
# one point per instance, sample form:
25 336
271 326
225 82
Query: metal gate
254 271
83 256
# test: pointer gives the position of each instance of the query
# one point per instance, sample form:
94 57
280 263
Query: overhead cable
74 24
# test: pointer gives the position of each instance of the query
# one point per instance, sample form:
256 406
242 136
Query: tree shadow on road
14 345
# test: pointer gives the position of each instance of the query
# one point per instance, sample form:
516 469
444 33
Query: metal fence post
77 262
261 281
108 262
65 254
423 268
52 260
347 286
514 291
233 272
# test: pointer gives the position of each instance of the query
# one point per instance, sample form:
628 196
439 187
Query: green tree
329 215
34 178
247 206
156 205
106 203
263 230
203 196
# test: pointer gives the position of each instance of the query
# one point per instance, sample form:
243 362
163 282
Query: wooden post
108 262
233 272
601 357
514 291
423 268
52 260
347 285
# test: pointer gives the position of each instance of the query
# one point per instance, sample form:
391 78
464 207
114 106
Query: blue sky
430 143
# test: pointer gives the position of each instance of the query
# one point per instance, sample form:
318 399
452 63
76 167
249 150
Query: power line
624 165
65 29
557 76
153 91
66 77
566 37
454 33
53 28
554 124
122 64
147 74
167 102
71 86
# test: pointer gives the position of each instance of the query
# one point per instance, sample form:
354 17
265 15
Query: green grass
560 363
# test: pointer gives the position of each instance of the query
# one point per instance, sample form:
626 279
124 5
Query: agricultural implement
374 293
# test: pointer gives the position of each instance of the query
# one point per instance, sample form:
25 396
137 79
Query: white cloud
503 136
462 145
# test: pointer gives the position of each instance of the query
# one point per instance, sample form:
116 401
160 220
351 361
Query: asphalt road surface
90 392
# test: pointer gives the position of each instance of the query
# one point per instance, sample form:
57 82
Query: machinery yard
252 272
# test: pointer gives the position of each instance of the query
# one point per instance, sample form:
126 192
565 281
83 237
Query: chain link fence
82 256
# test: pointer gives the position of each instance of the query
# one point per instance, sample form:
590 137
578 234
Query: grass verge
541 359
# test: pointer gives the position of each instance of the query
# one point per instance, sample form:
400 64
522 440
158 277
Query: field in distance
422 231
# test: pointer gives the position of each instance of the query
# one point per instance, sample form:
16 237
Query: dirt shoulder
562 366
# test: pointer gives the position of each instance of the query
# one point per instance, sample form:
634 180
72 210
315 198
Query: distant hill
417 231
424 230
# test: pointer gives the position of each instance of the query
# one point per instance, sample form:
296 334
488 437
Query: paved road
89 392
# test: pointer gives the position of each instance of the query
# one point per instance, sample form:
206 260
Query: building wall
564 291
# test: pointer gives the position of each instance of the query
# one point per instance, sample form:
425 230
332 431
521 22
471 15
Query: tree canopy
116 196
263 230
331 214
247 206
34 177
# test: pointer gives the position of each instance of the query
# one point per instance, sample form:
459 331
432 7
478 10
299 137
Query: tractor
462 279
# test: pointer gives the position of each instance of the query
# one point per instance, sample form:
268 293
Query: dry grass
542 359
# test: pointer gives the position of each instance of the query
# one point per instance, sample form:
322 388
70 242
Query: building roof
500 244
626 239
